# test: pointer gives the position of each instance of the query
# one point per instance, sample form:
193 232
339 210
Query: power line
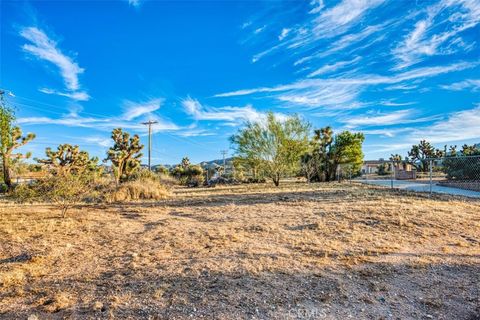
149 124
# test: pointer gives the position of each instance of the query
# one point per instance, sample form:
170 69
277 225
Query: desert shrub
161 170
62 190
382 169
256 180
189 175
194 176
167 180
462 168
132 190
145 174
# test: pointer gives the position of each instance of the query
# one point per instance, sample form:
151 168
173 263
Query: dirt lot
246 252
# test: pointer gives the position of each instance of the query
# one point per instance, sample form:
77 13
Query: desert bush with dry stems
139 189
64 191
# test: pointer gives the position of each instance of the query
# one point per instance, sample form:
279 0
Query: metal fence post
392 171
431 171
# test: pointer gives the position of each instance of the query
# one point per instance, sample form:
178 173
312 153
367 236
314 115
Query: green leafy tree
420 154
11 138
276 145
328 152
251 165
68 159
347 149
125 154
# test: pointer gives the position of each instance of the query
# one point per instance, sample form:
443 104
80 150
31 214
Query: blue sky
399 71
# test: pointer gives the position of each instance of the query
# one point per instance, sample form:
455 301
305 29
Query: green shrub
62 190
462 168
189 175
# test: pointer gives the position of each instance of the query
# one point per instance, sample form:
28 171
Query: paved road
422 187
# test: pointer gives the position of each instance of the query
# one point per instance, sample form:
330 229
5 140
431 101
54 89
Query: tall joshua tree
11 138
125 154
68 159
420 154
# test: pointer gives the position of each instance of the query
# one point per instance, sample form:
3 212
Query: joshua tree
419 155
68 159
11 138
328 152
185 163
125 154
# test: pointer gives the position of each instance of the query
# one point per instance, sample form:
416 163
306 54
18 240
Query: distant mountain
218 162
203 164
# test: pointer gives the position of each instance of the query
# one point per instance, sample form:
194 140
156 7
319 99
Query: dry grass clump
167 180
141 189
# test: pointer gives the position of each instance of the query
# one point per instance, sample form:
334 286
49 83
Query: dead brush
141 189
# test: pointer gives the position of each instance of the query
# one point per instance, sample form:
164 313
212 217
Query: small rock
98 306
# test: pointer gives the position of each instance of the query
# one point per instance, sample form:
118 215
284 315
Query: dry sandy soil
320 251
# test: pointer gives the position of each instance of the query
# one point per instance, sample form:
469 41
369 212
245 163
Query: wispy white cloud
458 126
246 24
324 24
472 84
76 95
195 133
100 141
260 29
233 114
386 119
284 34
129 119
426 39
333 67
402 87
339 18
373 79
389 133
44 48
342 92
453 127
104 124
390 103
317 5
133 110
135 3
326 95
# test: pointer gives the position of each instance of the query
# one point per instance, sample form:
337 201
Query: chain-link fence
458 175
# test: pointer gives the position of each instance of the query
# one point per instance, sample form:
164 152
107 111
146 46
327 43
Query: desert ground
300 251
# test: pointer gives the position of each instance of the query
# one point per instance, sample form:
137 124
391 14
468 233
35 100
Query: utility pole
224 152
149 124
